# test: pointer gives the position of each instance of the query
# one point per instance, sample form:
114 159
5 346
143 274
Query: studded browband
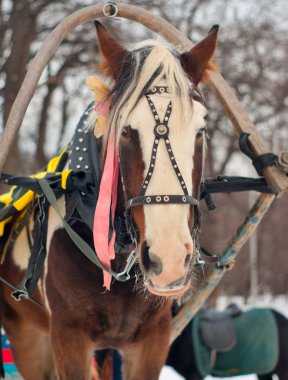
161 131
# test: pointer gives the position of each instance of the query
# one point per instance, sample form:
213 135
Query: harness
161 131
80 185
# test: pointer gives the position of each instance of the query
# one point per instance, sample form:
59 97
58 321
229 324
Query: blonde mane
151 63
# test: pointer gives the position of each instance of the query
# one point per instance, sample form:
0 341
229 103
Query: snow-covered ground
169 374
279 303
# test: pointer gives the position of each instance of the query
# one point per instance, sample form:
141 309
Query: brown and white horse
153 95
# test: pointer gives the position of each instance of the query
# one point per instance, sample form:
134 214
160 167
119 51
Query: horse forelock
151 62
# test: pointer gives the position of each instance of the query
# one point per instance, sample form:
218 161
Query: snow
169 374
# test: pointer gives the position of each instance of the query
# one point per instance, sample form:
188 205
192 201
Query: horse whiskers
140 287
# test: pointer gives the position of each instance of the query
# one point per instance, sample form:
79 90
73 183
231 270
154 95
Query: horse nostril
145 255
151 262
187 260
156 266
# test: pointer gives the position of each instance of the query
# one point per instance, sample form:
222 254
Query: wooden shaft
214 276
276 179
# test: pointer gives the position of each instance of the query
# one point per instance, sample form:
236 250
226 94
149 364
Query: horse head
158 117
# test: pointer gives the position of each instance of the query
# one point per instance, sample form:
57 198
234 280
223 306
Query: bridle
161 132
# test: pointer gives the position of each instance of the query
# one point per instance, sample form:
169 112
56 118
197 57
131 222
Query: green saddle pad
256 350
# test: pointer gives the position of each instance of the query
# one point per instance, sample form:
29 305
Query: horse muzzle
167 275
169 290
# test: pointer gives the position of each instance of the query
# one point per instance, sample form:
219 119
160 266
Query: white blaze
167 229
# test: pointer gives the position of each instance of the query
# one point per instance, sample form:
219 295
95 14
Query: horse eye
126 132
201 132
206 117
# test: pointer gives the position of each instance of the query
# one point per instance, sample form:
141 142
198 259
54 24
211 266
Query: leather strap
79 242
161 131
38 254
259 162
161 200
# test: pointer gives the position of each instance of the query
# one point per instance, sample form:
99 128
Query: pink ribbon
106 203
102 108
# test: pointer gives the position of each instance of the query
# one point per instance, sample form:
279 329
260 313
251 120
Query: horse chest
109 318
115 322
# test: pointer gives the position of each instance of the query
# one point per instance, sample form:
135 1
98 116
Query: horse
156 134
182 358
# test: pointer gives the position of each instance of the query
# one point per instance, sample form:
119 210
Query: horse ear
116 58
200 57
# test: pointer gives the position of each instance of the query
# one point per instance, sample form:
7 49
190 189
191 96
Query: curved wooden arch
239 118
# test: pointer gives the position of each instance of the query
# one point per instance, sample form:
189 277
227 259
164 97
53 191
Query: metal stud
78 166
79 130
80 140
149 174
146 182
77 148
84 149
166 198
158 198
184 199
156 141
161 129
80 158
167 142
86 167
153 89
172 158
175 166
148 199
